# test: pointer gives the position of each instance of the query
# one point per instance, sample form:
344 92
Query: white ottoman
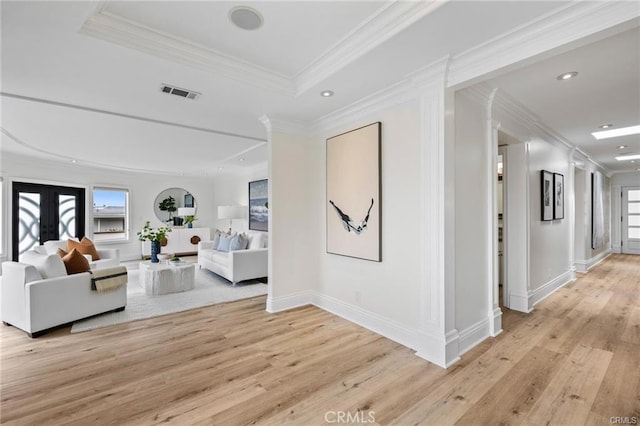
159 278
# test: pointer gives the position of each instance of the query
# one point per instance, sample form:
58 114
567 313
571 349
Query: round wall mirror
169 201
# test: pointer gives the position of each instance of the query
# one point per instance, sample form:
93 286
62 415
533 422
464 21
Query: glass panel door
29 222
44 212
631 220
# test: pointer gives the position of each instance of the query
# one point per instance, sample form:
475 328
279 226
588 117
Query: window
110 214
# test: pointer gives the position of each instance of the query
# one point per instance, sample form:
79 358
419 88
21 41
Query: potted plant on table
155 236
189 221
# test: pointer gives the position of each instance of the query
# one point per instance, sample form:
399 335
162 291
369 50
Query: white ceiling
80 80
606 91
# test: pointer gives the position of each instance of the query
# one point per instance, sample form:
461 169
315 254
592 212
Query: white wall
582 216
618 181
550 255
143 189
234 191
391 288
295 193
472 201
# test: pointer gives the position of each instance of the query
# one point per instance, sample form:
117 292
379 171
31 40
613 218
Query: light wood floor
574 361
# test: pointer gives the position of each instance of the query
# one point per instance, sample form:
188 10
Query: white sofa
109 258
37 295
239 265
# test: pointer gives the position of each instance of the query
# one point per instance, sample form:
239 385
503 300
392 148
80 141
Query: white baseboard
616 249
583 266
372 321
438 349
544 291
290 301
495 322
471 336
519 302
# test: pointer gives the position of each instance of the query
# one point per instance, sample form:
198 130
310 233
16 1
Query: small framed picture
546 192
558 196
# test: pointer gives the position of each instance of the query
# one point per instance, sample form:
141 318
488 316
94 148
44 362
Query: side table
157 278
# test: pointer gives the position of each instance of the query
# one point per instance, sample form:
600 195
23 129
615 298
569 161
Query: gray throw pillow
225 241
216 239
238 242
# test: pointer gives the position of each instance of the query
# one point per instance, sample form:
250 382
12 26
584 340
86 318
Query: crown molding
568 24
385 23
409 88
113 28
504 106
274 123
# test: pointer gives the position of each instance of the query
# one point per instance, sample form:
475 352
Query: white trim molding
583 266
290 301
473 335
558 28
538 295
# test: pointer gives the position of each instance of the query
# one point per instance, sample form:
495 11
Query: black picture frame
354 193
259 205
558 196
188 200
546 195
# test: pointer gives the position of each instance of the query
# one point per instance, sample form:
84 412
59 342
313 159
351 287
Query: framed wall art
259 205
597 211
558 196
546 192
353 193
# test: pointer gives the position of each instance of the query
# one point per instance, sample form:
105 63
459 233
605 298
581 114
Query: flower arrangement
153 234
190 219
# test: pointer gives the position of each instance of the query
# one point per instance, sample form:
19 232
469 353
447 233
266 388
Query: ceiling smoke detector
246 18
183 93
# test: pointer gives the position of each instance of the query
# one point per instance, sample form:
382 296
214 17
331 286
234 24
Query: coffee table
159 278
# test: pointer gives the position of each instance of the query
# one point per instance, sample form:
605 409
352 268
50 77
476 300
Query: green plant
190 219
153 234
174 259
168 205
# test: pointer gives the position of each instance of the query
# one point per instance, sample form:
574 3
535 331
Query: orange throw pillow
61 252
85 246
75 262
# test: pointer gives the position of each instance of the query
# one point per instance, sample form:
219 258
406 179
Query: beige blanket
108 279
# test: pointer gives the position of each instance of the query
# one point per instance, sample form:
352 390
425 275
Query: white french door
631 220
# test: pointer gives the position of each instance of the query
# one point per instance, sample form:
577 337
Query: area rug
209 290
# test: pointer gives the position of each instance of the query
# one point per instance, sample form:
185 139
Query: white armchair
36 300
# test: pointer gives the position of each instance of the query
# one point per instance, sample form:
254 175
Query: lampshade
186 211
231 212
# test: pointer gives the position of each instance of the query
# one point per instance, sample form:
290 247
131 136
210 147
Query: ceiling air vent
183 93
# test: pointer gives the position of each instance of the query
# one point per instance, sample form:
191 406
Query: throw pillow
255 240
61 253
85 246
52 246
75 262
48 265
225 241
216 239
238 242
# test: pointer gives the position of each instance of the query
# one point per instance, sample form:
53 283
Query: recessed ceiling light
622 146
74 161
220 168
605 126
623 131
567 75
627 157
326 93
242 159
246 18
